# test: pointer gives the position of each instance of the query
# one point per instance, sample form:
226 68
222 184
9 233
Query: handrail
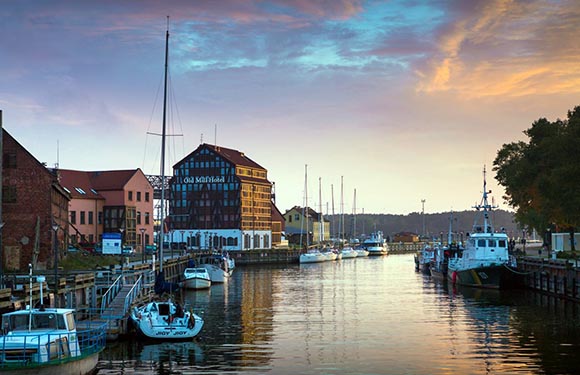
133 293
111 293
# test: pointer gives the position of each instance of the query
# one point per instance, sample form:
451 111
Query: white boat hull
196 283
348 253
217 274
312 258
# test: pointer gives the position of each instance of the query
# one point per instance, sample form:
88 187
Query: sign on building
111 243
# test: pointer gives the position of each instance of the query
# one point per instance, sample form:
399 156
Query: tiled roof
234 156
91 183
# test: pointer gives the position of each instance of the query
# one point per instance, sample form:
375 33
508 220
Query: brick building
33 202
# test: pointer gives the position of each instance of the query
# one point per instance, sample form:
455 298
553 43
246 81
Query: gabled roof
233 156
313 215
91 183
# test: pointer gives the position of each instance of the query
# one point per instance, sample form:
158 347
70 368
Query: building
296 227
34 211
109 202
222 199
406 237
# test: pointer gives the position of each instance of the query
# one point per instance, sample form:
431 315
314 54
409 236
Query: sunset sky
408 100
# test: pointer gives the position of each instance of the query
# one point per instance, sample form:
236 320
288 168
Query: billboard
112 243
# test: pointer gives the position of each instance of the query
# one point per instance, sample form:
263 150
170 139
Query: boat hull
196 283
81 366
312 258
216 273
491 277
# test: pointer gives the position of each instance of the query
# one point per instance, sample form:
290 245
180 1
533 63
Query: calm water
361 316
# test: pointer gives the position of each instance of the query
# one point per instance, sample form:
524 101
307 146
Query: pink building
109 202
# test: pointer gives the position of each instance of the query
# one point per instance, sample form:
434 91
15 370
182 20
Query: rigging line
147 133
523 273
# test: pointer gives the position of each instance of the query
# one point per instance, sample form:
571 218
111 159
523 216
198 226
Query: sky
405 101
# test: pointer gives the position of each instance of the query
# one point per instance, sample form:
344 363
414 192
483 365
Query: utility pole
423 214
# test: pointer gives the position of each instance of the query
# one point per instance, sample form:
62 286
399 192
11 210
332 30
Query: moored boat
218 267
312 256
485 261
46 341
166 320
375 244
348 252
196 278
361 252
424 257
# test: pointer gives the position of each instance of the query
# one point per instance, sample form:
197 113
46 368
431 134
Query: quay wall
557 277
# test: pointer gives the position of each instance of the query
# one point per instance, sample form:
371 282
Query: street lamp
1 256
142 245
55 248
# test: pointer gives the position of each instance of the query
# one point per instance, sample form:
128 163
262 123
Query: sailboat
485 261
165 319
347 251
310 256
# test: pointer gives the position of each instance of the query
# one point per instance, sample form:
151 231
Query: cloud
507 48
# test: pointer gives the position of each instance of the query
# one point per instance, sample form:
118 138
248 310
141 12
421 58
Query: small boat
375 244
424 258
46 341
348 252
361 252
218 267
166 320
485 261
196 278
312 256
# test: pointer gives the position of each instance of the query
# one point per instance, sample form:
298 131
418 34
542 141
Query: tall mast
321 228
487 226
354 215
163 135
306 205
333 218
342 207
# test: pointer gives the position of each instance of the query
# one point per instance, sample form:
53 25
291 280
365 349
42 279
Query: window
147 196
296 217
138 196
82 217
9 160
138 217
130 195
8 194
289 218
81 191
502 243
90 217
481 243
146 218
491 243
100 218
73 217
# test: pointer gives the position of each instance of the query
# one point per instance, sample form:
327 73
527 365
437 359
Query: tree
542 177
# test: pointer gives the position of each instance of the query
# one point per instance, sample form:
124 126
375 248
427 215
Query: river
371 315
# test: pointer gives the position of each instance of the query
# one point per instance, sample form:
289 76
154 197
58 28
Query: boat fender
454 277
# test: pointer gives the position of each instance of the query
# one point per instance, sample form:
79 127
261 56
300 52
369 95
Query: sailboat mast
342 208
306 204
320 229
163 136
354 215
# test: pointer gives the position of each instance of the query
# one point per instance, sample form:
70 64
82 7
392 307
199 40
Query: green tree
542 177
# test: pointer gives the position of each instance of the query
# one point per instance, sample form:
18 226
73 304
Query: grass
82 260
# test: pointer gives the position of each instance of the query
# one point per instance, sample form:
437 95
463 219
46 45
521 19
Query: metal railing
111 293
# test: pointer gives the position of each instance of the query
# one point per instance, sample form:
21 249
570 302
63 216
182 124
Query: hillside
434 223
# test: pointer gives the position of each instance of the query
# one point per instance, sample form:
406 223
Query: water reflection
361 316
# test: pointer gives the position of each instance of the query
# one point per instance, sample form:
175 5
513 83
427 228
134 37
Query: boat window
163 309
491 243
480 243
502 243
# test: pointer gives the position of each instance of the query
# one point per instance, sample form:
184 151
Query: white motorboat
218 267
166 320
485 261
196 278
46 341
348 252
375 244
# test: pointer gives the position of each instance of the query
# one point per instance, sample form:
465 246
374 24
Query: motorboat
45 340
196 278
166 320
376 244
485 261
424 257
218 267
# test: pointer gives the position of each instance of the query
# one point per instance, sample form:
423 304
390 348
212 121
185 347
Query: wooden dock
557 277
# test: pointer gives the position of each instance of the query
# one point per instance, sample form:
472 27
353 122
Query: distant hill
435 224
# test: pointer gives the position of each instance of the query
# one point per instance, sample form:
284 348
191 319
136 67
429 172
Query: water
361 316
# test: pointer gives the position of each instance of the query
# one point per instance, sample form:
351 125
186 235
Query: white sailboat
165 319
311 255
347 251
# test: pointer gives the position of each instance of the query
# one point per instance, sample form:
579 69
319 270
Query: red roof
91 183
233 156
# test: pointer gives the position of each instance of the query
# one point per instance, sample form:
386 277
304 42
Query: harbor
323 318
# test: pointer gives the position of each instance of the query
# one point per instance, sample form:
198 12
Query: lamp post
1 254
55 249
142 245
183 240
